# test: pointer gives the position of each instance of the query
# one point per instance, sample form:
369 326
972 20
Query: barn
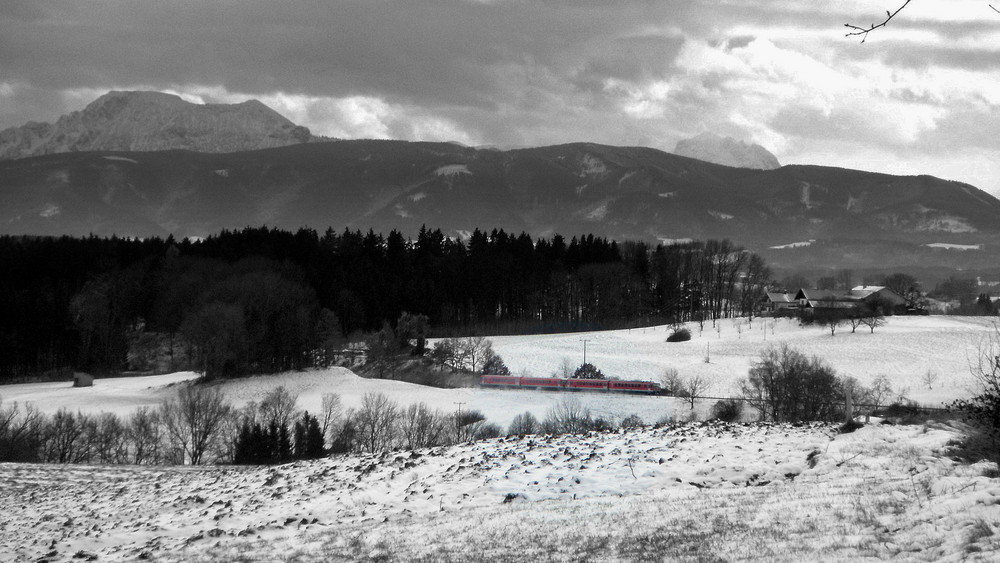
81 379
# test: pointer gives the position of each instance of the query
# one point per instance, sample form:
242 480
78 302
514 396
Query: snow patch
804 195
599 213
794 244
667 195
948 224
453 170
720 215
949 246
626 177
669 241
51 210
121 159
418 196
401 211
590 165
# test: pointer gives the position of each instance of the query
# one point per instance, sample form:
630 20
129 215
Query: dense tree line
265 300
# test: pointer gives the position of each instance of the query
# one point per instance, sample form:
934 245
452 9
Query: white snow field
904 350
694 492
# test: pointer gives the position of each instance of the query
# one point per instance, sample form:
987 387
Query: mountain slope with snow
727 151
154 121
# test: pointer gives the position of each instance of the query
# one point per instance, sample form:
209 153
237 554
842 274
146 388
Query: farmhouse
778 301
875 296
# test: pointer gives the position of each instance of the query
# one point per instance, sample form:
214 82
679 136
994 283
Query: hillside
857 219
154 121
771 491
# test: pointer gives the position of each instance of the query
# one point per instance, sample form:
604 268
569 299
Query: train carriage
644 387
560 384
587 384
542 382
499 381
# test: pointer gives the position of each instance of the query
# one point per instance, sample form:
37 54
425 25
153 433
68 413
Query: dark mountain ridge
617 192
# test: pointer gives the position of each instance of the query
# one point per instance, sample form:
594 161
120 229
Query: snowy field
696 492
123 395
904 350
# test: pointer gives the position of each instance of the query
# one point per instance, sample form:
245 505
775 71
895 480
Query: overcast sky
920 96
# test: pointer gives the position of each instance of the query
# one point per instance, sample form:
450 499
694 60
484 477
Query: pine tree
313 438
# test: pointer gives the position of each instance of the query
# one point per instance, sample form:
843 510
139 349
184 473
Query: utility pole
459 407
584 340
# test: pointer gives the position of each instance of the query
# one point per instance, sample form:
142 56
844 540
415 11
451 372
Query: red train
559 384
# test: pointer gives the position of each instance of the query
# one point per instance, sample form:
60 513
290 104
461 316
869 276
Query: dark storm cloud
522 72
440 52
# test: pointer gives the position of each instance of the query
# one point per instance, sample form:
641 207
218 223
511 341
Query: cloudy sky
920 96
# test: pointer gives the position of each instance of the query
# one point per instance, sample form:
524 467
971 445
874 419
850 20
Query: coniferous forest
264 300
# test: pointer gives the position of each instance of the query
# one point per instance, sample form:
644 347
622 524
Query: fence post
848 407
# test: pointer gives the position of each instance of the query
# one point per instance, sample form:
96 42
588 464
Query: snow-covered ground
701 492
704 491
904 350
123 395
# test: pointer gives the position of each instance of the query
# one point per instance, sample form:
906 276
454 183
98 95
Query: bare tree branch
864 31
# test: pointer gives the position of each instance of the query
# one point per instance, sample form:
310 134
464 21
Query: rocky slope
154 121
727 151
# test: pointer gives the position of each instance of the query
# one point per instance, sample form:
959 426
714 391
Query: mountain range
798 217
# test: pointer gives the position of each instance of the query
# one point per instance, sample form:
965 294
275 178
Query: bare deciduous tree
64 439
193 421
567 416
671 382
375 422
420 427
144 436
565 369
523 424
695 386
278 407
929 378
880 391
331 411
19 432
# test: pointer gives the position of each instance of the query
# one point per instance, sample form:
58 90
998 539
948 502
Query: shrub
523 424
785 385
850 426
631 421
728 410
488 431
680 335
588 371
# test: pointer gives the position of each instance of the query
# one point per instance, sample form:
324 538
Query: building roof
776 297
